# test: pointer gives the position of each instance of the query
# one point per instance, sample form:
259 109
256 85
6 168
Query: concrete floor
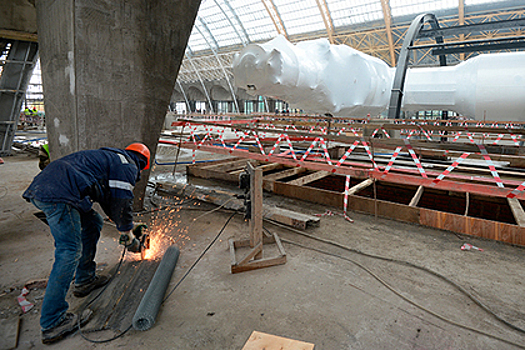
323 299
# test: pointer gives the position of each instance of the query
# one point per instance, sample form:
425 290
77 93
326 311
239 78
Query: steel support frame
412 34
214 50
14 79
201 81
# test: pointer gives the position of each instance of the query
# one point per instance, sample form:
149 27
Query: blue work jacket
106 176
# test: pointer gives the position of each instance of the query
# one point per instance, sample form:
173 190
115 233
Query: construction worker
43 156
65 191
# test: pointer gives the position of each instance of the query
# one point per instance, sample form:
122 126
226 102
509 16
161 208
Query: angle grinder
143 238
136 241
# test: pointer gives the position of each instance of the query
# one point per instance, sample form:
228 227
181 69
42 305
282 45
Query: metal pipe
150 304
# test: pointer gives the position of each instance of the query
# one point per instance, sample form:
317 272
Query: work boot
84 289
68 325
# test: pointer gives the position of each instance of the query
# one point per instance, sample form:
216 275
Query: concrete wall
18 19
109 69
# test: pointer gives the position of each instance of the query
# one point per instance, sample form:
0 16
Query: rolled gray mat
149 306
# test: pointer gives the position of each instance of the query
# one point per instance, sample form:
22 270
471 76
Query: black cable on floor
394 290
169 294
200 257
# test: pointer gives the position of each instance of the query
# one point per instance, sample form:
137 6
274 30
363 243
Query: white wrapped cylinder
318 77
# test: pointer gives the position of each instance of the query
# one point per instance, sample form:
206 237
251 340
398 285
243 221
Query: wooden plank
309 178
263 341
310 194
253 252
395 211
233 260
473 226
517 211
236 172
215 162
256 196
229 166
18 35
290 218
211 174
417 197
271 166
258 264
285 173
279 244
360 186
9 330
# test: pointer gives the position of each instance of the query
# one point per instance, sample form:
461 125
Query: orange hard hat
141 149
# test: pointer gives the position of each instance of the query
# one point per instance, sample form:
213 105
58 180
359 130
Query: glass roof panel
223 32
300 16
408 7
348 12
196 41
255 19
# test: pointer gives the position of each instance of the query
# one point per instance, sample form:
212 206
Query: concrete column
108 69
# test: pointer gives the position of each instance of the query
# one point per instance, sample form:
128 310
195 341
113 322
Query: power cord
200 257
6 191
169 294
392 289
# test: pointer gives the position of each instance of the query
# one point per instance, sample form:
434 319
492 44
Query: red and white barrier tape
416 160
347 153
367 149
347 188
491 165
327 155
450 168
391 162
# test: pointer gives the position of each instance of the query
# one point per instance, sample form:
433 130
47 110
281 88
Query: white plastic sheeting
318 77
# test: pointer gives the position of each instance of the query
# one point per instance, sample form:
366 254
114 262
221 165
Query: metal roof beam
480 47
222 68
205 25
246 39
201 81
471 28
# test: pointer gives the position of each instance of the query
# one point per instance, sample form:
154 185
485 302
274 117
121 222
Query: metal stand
254 258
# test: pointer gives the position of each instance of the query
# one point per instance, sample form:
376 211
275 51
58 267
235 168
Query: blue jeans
76 236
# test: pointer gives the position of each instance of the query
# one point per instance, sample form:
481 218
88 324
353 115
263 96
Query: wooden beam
517 211
360 186
275 17
385 4
259 341
290 218
327 19
309 178
271 166
285 173
461 17
17 35
415 200
227 166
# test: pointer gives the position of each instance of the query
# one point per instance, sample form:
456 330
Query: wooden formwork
404 203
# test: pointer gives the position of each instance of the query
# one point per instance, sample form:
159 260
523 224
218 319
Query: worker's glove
137 231
128 240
